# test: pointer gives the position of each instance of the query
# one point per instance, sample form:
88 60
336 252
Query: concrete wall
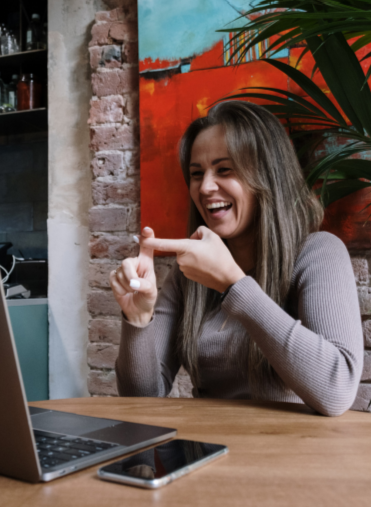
70 23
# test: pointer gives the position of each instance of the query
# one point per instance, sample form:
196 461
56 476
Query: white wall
70 22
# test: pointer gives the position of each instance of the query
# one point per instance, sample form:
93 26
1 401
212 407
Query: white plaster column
69 25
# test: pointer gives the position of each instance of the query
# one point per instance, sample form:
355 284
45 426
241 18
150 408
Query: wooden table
280 455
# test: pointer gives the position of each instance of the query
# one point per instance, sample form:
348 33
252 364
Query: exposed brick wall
115 215
361 261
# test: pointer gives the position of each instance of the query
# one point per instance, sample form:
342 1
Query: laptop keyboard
55 449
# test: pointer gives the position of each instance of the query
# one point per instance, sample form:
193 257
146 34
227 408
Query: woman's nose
209 184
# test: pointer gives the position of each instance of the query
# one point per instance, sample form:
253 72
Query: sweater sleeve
320 355
148 362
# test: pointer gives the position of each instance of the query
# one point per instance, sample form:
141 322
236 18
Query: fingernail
136 239
134 284
146 229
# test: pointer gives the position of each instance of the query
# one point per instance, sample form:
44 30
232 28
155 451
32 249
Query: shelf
27 60
21 122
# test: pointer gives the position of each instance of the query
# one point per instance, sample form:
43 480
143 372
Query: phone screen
163 460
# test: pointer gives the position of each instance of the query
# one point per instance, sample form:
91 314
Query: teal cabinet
29 319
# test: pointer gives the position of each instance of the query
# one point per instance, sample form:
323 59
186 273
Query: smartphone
162 464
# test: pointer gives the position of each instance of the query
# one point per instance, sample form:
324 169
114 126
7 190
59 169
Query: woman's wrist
141 320
233 278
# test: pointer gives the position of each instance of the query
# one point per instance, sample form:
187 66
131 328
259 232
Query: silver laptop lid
18 457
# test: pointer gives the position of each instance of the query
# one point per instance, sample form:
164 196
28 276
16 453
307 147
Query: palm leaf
344 76
325 26
327 162
340 189
310 88
353 168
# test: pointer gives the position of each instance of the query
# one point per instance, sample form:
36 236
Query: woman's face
225 202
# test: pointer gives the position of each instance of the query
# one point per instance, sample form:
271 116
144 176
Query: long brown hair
287 211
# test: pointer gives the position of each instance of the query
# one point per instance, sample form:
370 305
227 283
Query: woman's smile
217 209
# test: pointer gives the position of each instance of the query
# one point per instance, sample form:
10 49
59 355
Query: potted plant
328 42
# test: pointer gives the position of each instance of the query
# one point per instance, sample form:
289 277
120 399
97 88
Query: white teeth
217 205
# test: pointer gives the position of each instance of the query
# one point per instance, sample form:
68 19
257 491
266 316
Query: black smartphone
162 464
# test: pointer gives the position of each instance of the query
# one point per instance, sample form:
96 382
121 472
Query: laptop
40 445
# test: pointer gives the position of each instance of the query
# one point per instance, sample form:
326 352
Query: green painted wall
30 328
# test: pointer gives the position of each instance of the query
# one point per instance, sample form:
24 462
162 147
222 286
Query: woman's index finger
178 246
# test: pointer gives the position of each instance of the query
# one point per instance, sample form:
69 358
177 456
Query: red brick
123 32
112 137
108 164
109 57
102 355
131 108
100 34
106 110
114 219
366 374
130 52
367 332
113 15
95 56
360 268
363 399
132 162
109 246
102 383
115 81
364 296
115 192
102 302
127 10
99 273
105 330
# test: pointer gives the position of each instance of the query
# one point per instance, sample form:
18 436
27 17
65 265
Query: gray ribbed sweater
315 344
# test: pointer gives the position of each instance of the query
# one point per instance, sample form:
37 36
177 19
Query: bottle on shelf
14 44
2 31
8 41
33 34
2 95
5 41
35 92
23 93
12 92
28 92
5 101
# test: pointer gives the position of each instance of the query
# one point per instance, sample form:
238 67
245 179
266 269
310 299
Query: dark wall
24 196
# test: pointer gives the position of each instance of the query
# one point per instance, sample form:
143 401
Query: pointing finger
178 246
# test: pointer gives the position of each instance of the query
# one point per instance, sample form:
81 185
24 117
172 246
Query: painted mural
185 66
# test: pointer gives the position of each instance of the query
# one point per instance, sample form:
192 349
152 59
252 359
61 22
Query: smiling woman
224 200
259 304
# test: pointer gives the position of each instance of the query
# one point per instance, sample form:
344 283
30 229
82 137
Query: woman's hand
203 258
134 284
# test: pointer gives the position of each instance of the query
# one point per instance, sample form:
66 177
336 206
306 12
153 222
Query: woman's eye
196 174
223 170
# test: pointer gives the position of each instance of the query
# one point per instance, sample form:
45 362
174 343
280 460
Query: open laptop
41 445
